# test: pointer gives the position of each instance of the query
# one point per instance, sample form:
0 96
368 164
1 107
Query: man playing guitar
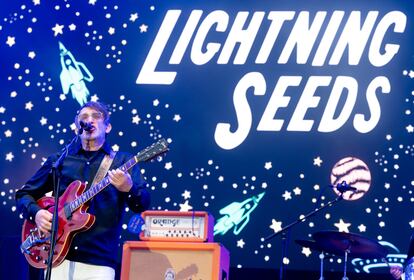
91 253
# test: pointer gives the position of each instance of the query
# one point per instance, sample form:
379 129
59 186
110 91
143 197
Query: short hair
98 106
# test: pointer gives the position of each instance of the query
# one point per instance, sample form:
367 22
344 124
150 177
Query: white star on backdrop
111 30
410 128
240 243
94 98
72 27
276 226
28 106
36 2
306 251
186 194
297 191
31 54
11 41
72 126
8 133
176 118
268 165
185 207
43 121
135 119
2 110
92 2
287 195
342 226
362 228
317 161
143 28
133 17
58 29
9 156
168 165
412 223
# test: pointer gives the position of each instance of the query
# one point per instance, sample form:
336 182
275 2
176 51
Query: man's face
96 119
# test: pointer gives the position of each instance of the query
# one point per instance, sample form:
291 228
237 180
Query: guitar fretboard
94 190
148 153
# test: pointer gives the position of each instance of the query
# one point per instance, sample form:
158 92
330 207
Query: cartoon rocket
73 76
237 214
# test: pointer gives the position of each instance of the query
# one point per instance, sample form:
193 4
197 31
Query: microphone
344 187
85 126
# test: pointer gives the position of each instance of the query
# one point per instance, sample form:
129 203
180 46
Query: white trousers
69 270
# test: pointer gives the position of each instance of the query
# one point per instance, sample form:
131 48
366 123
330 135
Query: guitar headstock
156 149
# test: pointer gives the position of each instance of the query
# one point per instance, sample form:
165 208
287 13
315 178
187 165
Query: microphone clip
344 187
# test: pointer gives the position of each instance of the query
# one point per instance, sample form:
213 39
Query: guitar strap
103 168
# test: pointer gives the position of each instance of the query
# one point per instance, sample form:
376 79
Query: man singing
93 254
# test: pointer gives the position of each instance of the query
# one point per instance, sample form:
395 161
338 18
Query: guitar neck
161 146
94 190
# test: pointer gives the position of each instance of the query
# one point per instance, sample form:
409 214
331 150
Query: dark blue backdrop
291 167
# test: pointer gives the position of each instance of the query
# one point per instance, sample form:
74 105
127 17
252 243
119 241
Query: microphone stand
289 226
56 186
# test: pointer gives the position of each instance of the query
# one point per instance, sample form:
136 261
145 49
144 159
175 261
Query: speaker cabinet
174 260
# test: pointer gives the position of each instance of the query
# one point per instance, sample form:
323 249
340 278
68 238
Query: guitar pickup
68 212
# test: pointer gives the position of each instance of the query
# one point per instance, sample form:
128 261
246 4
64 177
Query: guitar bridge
33 239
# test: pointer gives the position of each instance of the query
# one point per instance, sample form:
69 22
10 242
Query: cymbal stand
347 251
321 257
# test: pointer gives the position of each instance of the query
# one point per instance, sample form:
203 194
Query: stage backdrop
265 103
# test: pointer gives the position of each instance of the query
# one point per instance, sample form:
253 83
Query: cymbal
311 244
337 243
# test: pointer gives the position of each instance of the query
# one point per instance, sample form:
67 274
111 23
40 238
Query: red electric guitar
72 214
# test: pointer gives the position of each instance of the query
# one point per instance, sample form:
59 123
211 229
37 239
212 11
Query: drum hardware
311 244
348 245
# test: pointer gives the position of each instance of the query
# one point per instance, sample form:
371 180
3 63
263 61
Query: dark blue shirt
99 244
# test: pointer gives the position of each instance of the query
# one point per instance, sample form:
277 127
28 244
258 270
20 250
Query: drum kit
347 245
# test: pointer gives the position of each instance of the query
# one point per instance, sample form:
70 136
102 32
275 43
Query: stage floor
270 274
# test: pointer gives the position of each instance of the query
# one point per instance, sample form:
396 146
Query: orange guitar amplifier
196 226
155 260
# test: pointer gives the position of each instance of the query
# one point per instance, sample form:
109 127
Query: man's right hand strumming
43 221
